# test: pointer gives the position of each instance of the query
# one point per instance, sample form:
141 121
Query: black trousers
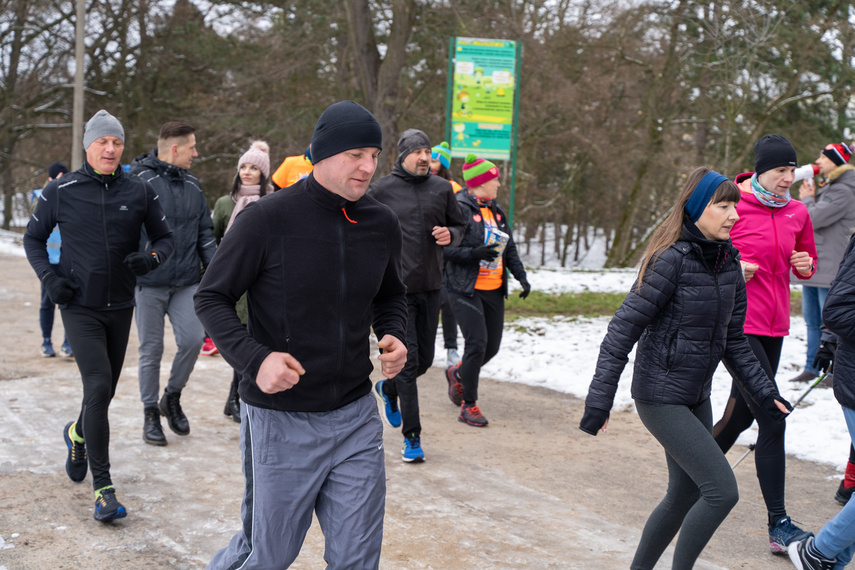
422 322
740 413
449 323
481 319
99 340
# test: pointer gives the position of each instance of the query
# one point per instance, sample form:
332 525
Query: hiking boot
412 451
152 432
65 350
455 388
805 376
472 416
783 534
208 348
170 408
47 349
76 463
452 357
233 407
843 494
107 507
391 413
805 556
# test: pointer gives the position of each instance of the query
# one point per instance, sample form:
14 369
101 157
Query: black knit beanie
56 169
344 126
772 151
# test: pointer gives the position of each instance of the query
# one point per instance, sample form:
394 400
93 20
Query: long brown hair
671 229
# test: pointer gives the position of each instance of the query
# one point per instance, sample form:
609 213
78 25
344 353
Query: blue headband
702 194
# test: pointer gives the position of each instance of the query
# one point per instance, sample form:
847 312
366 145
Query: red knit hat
477 171
838 153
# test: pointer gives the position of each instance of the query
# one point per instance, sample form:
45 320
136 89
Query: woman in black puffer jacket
686 312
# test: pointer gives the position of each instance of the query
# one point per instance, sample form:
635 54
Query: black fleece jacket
420 202
318 272
100 217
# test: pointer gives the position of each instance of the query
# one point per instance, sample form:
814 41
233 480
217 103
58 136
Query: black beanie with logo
773 151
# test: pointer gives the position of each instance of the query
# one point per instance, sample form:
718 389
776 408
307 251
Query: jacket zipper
341 301
106 242
774 273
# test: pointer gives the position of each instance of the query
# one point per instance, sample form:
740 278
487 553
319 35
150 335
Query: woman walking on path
686 312
477 282
250 184
775 238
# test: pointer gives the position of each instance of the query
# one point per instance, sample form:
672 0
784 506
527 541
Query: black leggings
99 340
740 413
702 489
449 323
481 319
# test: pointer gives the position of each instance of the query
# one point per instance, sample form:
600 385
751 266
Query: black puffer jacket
188 215
686 318
461 269
838 314
100 217
420 202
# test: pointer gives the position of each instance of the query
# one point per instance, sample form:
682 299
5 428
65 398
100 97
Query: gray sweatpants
702 489
297 463
153 304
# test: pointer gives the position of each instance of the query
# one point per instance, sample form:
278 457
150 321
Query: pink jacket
768 236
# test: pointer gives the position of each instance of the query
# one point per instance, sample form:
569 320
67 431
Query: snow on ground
560 353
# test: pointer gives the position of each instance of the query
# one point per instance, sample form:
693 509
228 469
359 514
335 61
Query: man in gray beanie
320 264
430 219
103 212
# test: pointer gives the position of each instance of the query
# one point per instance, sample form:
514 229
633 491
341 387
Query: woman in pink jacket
774 237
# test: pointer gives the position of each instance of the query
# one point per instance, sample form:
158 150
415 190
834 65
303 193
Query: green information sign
482 97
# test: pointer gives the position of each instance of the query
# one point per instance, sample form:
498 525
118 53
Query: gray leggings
701 486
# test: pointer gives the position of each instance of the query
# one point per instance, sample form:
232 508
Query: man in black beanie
430 219
320 265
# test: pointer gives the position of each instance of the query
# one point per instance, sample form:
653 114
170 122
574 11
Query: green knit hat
477 171
442 153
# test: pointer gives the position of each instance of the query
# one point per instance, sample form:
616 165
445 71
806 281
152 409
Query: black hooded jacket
688 316
838 314
100 217
182 201
461 269
420 202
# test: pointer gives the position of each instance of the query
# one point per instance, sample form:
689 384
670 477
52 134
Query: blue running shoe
391 414
75 464
47 349
412 451
65 350
783 533
107 507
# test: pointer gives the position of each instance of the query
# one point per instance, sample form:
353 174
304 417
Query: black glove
825 356
485 252
593 420
773 411
141 263
60 290
526 286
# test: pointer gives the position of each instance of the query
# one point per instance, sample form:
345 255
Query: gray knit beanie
102 124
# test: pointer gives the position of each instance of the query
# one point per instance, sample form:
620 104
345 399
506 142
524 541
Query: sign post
483 101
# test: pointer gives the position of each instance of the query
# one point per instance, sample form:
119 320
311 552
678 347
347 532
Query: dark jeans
46 314
422 322
449 323
702 489
740 413
99 340
481 319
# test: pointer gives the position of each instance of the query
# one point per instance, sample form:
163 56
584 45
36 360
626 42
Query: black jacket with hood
100 217
686 318
187 212
420 202
838 315
461 269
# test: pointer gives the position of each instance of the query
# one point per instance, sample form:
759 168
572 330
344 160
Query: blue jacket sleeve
39 228
156 226
838 313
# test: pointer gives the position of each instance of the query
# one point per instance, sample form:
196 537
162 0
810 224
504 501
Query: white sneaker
452 357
